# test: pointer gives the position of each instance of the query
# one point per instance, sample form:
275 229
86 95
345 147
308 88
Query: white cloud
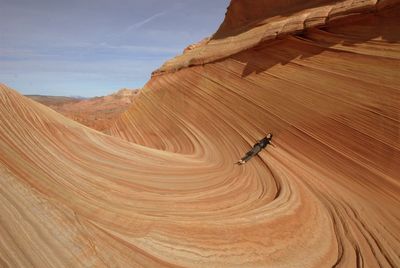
139 24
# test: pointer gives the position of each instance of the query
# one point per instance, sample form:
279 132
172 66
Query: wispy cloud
130 28
141 23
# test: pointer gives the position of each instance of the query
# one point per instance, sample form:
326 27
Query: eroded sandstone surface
163 191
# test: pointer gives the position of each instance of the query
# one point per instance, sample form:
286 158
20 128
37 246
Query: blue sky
94 47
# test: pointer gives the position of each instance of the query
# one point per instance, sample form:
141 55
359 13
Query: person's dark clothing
254 151
264 142
256 148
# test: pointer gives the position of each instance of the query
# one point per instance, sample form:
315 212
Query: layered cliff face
250 23
168 193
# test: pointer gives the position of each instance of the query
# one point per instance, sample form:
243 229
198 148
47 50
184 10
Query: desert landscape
98 112
159 187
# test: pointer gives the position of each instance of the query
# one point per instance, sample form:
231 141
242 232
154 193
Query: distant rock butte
98 113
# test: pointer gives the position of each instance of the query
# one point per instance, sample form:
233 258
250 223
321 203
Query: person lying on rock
256 149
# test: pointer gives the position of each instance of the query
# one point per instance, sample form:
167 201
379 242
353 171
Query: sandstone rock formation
167 193
98 113
249 23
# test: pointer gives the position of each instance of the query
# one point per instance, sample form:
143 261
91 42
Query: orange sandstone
167 194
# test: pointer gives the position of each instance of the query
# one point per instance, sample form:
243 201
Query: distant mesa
53 100
98 112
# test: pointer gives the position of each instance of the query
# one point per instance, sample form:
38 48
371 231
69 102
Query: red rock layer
331 96
249 23
327 194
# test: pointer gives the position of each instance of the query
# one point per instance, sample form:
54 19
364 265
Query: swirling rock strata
163 191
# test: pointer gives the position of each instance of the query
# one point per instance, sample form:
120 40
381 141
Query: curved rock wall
327 194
